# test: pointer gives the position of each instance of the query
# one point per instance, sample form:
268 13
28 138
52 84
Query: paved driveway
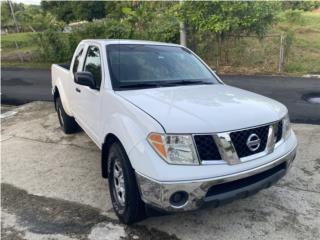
52 189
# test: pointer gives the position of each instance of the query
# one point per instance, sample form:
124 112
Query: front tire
123 186
67 123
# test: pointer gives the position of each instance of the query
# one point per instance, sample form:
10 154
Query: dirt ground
52 189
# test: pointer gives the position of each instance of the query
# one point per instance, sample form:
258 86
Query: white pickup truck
173 136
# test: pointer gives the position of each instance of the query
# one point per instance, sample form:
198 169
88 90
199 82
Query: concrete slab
52 189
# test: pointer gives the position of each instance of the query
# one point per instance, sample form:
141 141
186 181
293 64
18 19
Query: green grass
10 54
304 55
311 20
22 39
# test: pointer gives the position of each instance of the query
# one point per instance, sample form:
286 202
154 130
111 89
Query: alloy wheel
60 116
118 183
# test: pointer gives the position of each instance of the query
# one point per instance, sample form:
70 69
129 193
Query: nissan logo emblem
253 142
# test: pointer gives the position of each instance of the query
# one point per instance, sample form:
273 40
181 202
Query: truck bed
64 65
59 72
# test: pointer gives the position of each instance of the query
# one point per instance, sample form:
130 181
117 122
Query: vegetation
231 36
224 21
9 51
75 10
29 18
304 55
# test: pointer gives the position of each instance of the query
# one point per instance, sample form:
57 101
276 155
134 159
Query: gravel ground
52 189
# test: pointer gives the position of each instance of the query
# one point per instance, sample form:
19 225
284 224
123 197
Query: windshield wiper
140 85
187 82
162 84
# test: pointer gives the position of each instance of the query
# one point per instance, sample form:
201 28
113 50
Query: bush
107 29
293 16
295 67
54 46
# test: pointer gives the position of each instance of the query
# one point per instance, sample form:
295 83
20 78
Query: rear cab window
77 60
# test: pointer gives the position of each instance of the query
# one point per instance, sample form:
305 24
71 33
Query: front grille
207 148
278 133
239 140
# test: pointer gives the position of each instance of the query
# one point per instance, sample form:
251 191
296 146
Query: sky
34 2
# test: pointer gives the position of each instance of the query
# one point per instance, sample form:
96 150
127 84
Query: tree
225 19
69 11
89 10
300 5
32 18
151 21
6 16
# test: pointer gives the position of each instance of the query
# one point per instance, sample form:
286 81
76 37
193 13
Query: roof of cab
126 41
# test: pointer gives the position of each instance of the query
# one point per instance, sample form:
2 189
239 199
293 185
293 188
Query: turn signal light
157 141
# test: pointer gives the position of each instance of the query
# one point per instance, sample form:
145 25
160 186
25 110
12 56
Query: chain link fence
247 54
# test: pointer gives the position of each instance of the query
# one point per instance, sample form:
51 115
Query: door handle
78 90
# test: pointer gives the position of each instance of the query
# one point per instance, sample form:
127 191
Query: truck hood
205 108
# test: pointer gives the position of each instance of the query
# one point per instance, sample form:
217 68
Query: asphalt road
22 86
19 86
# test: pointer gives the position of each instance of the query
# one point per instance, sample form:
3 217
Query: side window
93 64
76 62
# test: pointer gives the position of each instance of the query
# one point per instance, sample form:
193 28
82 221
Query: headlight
286 127
174 149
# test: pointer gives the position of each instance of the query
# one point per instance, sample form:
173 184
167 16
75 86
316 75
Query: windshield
142 66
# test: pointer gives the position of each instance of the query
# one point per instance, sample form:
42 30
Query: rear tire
123 186
67 123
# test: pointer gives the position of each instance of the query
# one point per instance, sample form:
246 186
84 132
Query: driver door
88 99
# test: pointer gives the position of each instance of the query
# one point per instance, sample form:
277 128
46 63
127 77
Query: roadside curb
311 76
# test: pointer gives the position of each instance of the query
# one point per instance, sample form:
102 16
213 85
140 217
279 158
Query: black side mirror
85 79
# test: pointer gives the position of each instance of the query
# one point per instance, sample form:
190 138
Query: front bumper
216 190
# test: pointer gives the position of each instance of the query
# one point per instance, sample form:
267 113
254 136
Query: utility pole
183 32
17 27
13 15
281 54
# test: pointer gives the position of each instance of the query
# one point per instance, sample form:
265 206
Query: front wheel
123 186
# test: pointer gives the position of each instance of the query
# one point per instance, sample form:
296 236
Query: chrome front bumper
157 194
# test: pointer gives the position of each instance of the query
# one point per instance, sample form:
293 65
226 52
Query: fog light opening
179 199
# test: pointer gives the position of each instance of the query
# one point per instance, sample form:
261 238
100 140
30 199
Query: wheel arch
108 141
56 94
59 92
